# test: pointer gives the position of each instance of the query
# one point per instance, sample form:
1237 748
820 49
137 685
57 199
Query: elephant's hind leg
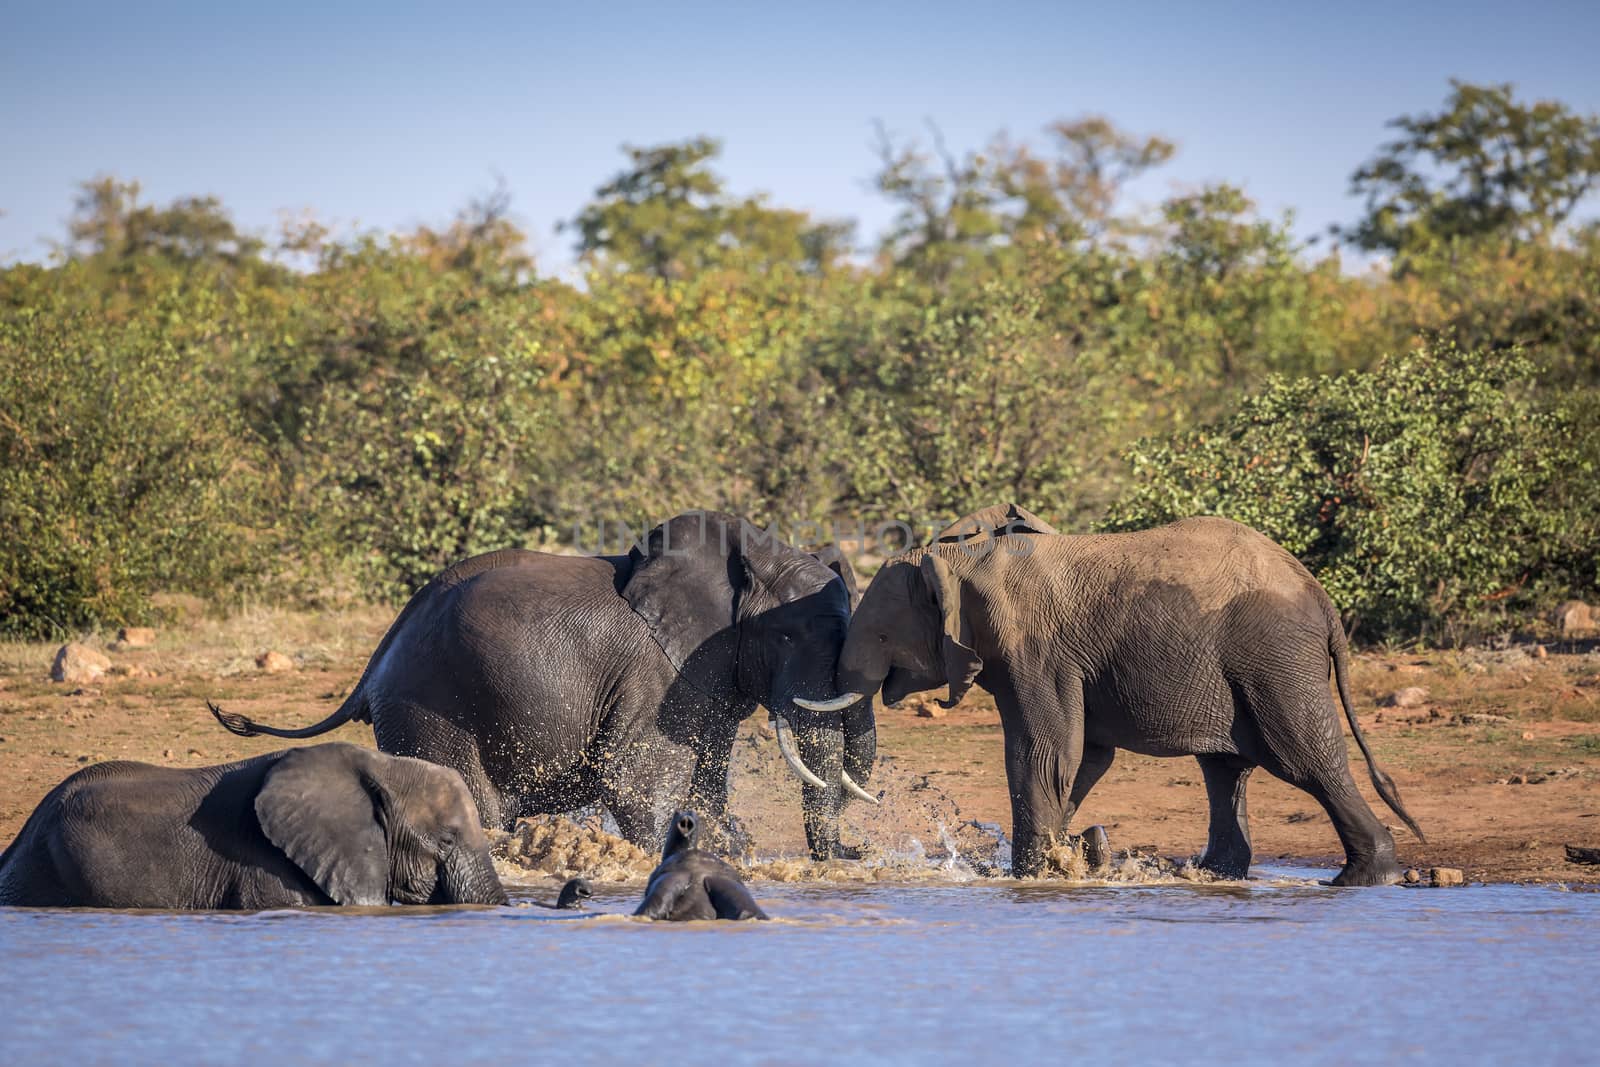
1228 839
1369 855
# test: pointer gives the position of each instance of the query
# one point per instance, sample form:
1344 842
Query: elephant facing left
326 824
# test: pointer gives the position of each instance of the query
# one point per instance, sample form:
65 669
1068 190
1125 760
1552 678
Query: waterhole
946 968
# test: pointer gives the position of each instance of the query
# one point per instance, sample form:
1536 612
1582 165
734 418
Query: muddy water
969 971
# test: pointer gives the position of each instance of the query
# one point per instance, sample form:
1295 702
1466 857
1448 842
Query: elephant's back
117 834
508 667
1207 562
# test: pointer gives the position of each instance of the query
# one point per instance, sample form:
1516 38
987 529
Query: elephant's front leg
1044 750
708 792
643 787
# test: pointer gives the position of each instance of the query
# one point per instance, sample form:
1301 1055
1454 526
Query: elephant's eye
883 639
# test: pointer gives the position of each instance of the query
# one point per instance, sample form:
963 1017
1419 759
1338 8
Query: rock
1412 696
78 663
1576 854
1540 652
1574 618
272 662
1528 735
1439 877
1477 668
136 636
1413 877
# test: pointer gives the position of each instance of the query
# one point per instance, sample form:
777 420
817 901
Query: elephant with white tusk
1202 638
552 682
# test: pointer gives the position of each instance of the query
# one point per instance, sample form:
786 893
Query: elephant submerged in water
328 824
1200 638
552 682
691 884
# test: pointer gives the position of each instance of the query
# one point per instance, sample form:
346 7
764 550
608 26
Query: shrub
1425 494
123 468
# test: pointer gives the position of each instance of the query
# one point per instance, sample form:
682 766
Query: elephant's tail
1380 779
354 707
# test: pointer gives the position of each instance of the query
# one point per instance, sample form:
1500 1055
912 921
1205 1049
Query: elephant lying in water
1201 638
690 884
552 682
329 824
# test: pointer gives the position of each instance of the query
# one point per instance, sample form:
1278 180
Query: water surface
949 972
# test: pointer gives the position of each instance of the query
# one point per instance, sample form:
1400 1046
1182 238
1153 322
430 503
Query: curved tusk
780 726
838 703
855 790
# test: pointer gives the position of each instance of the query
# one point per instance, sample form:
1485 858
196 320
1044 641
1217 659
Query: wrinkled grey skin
328 824
690 884
1201 638
553 682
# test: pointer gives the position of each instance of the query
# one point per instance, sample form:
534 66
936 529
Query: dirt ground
1500 763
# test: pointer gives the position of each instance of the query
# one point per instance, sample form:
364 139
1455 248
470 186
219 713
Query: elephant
326 824
691 884
552 682
573 893
1200 638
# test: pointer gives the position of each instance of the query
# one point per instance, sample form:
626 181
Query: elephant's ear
322 809
830 557
685 584
996 521
962 663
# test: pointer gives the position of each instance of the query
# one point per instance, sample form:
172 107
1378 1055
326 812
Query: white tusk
855 790
781 727
838 703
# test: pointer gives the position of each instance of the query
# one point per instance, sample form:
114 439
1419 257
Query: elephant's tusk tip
855 790
838 703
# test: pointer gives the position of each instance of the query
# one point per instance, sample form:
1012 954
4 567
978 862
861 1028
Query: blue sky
387 116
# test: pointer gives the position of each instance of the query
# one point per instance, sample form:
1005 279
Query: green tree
958 213
1485 166
109 223
670 215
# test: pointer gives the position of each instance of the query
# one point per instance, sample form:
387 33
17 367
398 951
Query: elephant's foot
1377 871
1096 847
1231 863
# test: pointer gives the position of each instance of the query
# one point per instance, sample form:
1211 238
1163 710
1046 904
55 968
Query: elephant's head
912 630
909 633
747 618
370 828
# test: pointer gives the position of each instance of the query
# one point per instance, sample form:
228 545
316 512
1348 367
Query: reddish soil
1500 764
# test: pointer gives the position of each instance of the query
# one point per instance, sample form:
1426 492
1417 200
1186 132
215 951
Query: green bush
1427 494
123 468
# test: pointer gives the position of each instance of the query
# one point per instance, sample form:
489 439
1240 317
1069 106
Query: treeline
190 407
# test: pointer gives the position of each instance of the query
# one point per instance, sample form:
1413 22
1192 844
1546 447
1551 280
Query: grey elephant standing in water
328 824
690 884
552 682
1201 638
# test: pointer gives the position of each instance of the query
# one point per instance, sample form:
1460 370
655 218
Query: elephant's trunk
860 744
470 878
